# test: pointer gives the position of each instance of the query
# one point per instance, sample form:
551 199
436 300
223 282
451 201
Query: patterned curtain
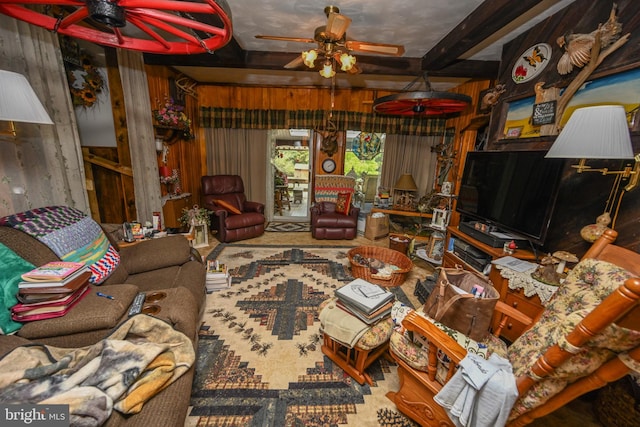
235 118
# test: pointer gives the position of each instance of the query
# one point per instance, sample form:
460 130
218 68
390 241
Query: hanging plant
172 115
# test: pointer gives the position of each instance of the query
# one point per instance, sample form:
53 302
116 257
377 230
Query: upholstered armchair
332 215
234 217
587 336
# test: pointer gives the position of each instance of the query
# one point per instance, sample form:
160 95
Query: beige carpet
259 357
282 357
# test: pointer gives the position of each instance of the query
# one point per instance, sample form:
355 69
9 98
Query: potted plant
172 115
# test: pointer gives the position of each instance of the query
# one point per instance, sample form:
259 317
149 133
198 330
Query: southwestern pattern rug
288 226
259 358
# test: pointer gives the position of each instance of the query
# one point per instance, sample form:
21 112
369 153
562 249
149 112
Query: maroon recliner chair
234 217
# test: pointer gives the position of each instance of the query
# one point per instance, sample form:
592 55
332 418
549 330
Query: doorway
289 175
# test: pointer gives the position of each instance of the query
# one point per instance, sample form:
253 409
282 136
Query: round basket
388 256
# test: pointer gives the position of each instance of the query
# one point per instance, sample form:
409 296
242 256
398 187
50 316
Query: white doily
529 285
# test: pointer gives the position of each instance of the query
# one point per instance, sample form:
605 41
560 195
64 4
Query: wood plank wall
189 156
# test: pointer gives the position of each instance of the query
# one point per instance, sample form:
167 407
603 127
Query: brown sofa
166 268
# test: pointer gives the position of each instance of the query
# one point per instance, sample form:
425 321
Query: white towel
481 393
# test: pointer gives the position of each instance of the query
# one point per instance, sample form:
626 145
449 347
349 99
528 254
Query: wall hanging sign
544 113
366 145
531 63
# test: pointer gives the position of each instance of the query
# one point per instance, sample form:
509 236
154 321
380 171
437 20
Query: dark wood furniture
172 209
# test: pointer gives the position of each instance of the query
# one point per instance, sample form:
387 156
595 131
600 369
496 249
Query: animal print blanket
141 357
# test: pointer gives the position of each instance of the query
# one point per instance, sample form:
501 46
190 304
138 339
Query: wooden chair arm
615 306
507 312
418 324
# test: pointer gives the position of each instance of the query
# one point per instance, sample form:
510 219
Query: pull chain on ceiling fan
153 26
421 102
333 47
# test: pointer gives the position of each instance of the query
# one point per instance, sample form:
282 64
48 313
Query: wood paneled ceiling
451 40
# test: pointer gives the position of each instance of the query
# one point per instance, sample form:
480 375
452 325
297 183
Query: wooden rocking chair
418 387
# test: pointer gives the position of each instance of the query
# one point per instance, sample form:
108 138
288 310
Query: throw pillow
343 203
228 206
11 268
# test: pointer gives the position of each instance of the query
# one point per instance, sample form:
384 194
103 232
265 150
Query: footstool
373 343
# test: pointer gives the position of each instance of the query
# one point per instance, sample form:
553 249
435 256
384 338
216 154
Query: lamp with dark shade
403 192
19 103
599 132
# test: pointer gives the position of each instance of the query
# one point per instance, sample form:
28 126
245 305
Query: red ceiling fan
333 46
153 26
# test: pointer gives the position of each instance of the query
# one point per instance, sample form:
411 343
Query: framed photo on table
200 233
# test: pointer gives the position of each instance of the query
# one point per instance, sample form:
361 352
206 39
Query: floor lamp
600 132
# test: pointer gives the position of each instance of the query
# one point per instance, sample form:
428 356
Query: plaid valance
235 118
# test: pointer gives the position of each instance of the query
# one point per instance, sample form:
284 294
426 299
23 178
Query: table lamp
403 192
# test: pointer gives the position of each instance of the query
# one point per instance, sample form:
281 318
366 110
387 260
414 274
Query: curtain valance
236 118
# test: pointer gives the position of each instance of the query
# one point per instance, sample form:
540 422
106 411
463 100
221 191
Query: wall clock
329 165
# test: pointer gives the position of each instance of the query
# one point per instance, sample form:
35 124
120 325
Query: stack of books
217 276
50 290
366 301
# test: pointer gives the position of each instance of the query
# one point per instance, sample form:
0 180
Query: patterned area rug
288 226
259 358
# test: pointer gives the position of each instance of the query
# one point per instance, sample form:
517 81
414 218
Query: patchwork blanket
71 235
141 357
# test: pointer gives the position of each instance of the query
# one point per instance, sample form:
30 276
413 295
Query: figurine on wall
606 41
491 97
578 47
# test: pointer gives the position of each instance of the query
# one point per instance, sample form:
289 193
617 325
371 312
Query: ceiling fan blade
298 61
379 48
287 39
337 25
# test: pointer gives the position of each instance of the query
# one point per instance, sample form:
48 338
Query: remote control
136 305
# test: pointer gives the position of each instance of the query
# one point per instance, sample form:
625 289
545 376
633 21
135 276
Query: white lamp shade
599 132
18 101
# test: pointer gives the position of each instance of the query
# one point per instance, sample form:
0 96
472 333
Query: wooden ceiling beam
485 20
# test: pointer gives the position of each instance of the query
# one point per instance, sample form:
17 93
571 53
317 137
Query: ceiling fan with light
333 46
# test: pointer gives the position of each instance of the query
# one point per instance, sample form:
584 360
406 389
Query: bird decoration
578 47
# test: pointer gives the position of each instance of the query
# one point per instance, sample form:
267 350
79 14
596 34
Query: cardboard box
376 228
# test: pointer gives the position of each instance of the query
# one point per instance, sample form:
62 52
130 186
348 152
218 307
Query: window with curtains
363 160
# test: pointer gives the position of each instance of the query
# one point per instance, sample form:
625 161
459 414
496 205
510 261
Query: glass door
289 174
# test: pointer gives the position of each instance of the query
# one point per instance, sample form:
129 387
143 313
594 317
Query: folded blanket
341 326
140 358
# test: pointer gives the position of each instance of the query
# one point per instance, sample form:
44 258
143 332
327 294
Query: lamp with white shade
600 132
19 103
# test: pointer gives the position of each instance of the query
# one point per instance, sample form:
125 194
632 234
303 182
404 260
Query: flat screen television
512 190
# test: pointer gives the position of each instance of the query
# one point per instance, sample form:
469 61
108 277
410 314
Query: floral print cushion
586 286
413 348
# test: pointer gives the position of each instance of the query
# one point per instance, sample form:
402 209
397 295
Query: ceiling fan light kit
333 46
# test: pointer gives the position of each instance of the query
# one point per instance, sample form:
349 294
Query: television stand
492 238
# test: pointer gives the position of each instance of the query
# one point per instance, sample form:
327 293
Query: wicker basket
388 256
